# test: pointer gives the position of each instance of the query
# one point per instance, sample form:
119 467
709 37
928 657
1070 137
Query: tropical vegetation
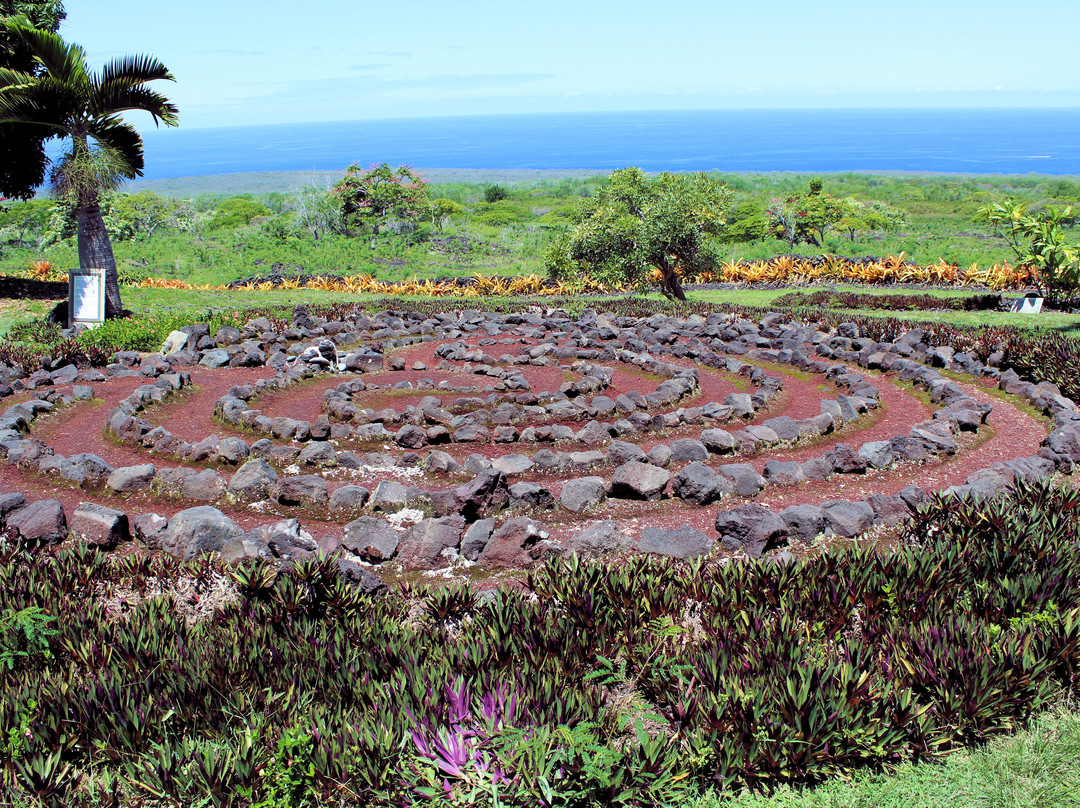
65 98
909 230
150 680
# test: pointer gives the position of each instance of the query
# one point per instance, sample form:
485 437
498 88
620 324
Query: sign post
86 297
1030 304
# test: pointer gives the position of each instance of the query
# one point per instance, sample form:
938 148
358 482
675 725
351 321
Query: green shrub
138 333
495 193
502 214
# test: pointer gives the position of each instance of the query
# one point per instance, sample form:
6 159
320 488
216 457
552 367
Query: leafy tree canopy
858 216
806 218
747 222
23 163
636 223
374 196
236 211
495 193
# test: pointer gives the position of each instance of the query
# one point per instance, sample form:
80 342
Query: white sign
86 296
1027 305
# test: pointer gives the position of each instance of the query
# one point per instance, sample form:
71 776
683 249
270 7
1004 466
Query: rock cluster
460 521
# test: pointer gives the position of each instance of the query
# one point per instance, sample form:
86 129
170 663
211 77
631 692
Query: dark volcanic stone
636 480
581 492
41 522
371 538
422 545
751 528
99 526
698 484
680 542
603 538
509 545
198 530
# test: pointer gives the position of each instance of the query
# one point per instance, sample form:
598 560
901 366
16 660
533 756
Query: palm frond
132 70
14 78
115 97
44 103
123 140
64 61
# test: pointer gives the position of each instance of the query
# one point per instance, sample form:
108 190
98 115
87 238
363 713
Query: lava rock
751 528
371 539
204 486
603 538
423 545
198 530
348 498
688 450
680 542
803 522
847 519
509 546
745 479
99 526
581 493
253 480
486 492
476 538
304 489
698 484
389 496
636 480
126 479
39 523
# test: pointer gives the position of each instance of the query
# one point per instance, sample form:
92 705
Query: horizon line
808 109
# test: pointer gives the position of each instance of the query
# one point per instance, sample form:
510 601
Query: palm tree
69 100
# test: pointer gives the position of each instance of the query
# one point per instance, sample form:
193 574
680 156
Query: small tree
1039 241
140 214
23 223
636 223
858 216
441 209
318 211
747 222
375 196
806 218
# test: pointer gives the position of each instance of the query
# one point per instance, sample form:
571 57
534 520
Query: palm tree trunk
95 252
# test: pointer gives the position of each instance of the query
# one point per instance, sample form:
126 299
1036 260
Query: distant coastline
265 182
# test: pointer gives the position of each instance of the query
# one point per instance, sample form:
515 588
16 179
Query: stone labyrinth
438 441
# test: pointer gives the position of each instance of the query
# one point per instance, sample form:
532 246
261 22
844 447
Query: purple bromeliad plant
457 744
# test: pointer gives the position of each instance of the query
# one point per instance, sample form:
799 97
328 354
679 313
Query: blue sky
240 62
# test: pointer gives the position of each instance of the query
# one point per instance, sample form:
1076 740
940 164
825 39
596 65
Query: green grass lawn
198 303
1038 767
1056 321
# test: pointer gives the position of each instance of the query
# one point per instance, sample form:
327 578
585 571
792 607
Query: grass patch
1039 767
1049 320
16 312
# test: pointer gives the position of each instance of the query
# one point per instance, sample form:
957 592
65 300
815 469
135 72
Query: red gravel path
80 429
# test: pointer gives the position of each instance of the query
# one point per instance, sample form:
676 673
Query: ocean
974 141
